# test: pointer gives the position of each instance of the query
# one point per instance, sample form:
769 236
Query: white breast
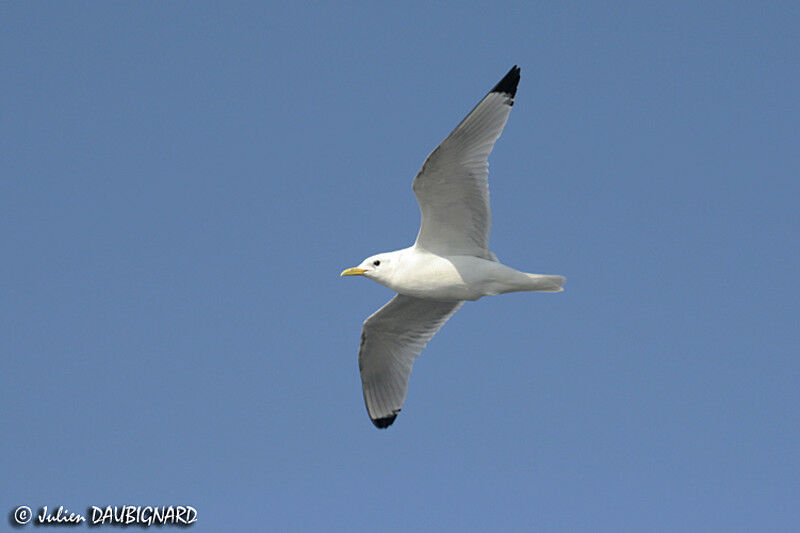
431 276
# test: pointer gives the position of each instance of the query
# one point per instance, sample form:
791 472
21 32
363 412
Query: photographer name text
111 515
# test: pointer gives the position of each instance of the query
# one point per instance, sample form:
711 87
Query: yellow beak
353 272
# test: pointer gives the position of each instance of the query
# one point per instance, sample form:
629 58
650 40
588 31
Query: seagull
450 261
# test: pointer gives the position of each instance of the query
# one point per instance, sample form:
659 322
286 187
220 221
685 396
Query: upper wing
390 341
452 187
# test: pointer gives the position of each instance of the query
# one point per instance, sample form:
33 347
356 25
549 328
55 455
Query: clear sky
182 183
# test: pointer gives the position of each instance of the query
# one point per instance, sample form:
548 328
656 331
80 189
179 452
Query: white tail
546 283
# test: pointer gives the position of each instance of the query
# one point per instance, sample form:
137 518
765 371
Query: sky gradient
181 184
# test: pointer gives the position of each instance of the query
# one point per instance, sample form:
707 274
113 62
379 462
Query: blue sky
183 182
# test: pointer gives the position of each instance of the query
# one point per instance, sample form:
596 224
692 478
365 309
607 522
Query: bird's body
422 274
449 263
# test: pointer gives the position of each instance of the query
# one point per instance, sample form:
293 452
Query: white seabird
449 263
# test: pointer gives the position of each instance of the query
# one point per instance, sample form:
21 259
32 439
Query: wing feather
452 187
391 340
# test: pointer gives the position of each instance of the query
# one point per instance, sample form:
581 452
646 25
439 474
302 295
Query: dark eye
376 263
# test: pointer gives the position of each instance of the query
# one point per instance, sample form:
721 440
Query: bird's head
377 267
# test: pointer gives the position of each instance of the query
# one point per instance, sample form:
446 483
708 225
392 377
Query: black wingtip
508 85
385 422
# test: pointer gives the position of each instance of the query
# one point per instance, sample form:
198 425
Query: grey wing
452 187
391 340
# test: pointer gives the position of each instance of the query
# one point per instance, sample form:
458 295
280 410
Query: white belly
430 276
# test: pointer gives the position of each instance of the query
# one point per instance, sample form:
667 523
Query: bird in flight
450 261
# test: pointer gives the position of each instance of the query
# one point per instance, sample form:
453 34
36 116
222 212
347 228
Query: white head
377 267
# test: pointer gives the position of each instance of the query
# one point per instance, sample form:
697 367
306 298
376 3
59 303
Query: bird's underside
450 262
460 277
